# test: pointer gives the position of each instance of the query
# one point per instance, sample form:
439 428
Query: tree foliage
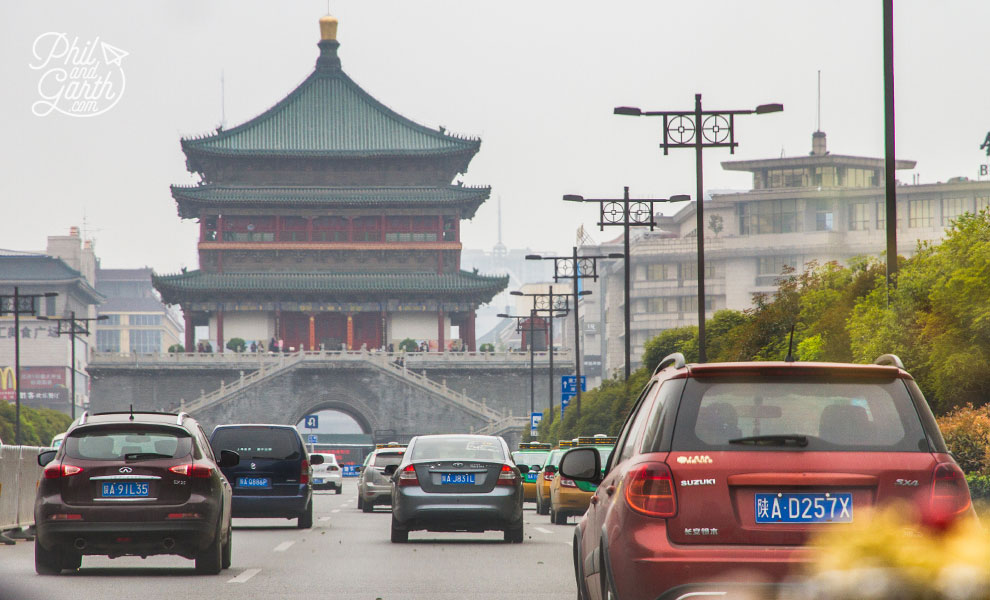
38 425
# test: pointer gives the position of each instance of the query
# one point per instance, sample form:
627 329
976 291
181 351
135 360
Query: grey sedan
457 483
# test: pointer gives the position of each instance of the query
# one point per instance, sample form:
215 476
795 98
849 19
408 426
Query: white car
57 440
328 475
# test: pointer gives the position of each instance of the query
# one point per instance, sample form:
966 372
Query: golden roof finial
328 28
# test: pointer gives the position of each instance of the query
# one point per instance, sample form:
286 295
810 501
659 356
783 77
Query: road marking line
243 577
542 530
336 510
324 518
283 546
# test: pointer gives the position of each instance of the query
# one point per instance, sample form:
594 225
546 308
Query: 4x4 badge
126 469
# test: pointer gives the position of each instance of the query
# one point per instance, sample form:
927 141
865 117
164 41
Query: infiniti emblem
126 469
254 466
458 464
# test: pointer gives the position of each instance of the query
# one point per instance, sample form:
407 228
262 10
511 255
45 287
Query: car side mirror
390 470
582 464
229 458
523 469
46 457
550 469
316 459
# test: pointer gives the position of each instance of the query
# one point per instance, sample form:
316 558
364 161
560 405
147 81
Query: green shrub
236 344
176 349
408 345
979 487
487 348
967 434
38 425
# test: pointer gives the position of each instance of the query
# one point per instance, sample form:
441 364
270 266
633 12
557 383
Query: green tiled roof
192 198
174 288
329 115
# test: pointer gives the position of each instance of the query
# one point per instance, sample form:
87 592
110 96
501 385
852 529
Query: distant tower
499 251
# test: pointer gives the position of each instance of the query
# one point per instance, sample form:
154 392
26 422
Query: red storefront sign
42 382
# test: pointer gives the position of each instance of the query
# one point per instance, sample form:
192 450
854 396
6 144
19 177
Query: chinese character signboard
44 384
568 389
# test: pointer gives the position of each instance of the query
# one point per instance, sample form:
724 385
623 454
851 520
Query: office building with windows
137 321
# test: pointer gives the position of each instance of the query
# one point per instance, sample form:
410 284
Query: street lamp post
73 327
554 308
626 213
575 268
532 365
17 305
699 129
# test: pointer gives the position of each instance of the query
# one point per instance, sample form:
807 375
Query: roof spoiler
677 359
891 360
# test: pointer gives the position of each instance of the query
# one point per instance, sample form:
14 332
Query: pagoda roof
330 116
176 287
191 199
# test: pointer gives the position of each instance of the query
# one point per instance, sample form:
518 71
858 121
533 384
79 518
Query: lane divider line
542 530
336 510
243 577
324 518
284 546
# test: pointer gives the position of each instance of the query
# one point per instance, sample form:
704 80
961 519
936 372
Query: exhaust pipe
79 543
168 543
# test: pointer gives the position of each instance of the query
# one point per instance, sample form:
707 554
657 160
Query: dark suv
135 484
722 472
273 478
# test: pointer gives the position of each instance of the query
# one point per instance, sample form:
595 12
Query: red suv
133 484
722 471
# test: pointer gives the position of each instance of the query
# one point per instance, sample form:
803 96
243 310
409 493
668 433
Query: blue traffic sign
534 423
313 439
312 421
568 384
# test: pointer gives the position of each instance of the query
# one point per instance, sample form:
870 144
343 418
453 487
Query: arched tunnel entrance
333 429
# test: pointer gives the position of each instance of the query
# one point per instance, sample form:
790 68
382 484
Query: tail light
304 472
408 476
507 476
547 475
567 482
332 468
193 470
65 517
651 490
54 471
950 494
188 515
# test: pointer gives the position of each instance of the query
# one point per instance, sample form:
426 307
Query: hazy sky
537 81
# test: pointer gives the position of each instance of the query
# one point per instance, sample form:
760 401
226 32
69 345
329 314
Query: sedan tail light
567 482
507 476
548 476
950 494
408 476
651 490
192 470
304 472
54 471
332 468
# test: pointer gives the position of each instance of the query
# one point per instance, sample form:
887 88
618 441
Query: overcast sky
536 81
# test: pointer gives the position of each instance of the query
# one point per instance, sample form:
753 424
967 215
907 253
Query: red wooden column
312 332
441 343
469 338
190 331
220 330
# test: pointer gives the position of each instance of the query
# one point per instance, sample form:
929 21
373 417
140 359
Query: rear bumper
571 501
327 482
262 507
186 537
497 509
377 493
529 491
730 590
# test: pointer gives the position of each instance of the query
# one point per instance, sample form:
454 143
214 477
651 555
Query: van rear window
829 415
258 442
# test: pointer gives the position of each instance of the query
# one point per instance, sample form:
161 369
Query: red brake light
332 468
651 490
548 475
507 476
54 471
304 472
950 494
567 482
192 470
408 476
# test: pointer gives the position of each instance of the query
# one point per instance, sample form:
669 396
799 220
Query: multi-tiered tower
329 220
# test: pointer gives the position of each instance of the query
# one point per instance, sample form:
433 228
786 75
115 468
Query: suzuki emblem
126 469
254 466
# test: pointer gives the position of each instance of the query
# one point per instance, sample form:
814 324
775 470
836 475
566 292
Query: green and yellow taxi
533 455
569 497
547 473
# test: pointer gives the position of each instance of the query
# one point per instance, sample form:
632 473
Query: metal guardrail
19 476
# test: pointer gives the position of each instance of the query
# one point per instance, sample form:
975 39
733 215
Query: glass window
108 340
145 341
110 320
921 213
258 442
456 446
859 216
982 202
116 444
768 216
384 459
824 220
774 265
145 319
632 431
952 208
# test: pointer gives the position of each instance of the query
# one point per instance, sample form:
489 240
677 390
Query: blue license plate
128 489
804 508
317 481
254 482
530 477
446 478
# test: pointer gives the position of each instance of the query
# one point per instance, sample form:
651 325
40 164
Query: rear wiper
145 455
772 440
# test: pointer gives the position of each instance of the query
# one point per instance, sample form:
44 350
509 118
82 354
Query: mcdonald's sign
8 384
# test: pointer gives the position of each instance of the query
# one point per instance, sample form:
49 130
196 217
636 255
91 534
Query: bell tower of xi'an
329 221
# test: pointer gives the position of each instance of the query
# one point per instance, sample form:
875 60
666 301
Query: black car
273 478
136 484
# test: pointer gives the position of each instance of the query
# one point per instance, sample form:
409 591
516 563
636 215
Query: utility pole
73 327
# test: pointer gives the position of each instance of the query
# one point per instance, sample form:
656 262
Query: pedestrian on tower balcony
254 347
261 346
272 346
208 347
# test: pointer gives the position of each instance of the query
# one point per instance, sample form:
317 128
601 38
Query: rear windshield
554 459
384 460
850 415
328 459
127 444
258 442
529 458
456 447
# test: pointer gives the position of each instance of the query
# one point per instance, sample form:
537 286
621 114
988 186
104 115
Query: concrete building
820 207
137 321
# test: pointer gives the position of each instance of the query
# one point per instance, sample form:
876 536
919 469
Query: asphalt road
347 554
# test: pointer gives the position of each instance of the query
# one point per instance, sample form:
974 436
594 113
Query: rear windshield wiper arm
772 440
145 455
